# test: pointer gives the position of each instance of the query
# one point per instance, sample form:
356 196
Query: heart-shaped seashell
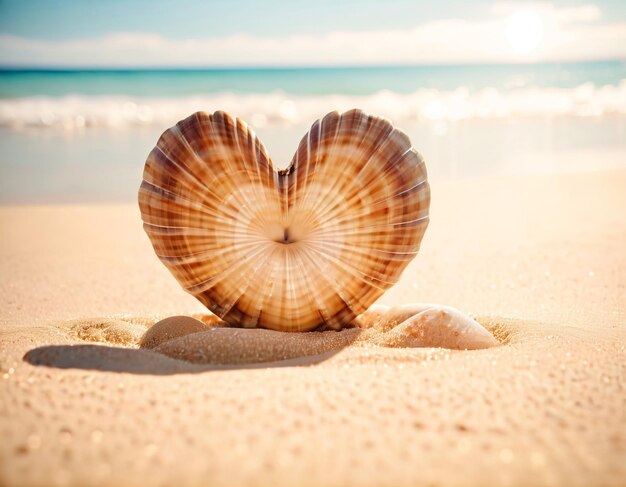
311 246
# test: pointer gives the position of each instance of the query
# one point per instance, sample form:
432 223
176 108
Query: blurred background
483 88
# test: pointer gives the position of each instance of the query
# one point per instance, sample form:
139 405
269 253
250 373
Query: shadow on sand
141 361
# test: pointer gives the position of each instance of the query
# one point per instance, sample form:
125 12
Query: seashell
307 247
432 325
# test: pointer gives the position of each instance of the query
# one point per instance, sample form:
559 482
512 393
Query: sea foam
78 112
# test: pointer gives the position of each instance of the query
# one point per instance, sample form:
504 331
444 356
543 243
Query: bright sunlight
524 31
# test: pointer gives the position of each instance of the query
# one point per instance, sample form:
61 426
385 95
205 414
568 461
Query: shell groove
311 246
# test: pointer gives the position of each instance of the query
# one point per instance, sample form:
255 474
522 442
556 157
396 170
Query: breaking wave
79 112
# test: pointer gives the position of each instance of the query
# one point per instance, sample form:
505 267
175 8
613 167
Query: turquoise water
305 81
83 136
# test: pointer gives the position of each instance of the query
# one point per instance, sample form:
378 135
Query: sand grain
538 261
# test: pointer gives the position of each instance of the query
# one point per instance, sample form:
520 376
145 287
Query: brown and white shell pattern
308 247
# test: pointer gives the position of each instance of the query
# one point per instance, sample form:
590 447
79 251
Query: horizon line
278 67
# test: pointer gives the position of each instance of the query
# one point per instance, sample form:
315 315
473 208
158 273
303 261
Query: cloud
570 34
579 13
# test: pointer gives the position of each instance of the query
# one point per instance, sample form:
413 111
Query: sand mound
411 326
239 346
106 330
204 340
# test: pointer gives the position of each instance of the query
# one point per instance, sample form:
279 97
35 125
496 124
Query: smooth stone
169 329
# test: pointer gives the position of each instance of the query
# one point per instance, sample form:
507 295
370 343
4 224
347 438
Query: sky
116 33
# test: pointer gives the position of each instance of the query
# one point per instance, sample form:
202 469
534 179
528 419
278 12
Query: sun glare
524 31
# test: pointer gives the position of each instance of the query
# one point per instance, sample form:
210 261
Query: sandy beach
538 260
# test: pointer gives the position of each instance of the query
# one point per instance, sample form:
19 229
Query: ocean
305 81
83 135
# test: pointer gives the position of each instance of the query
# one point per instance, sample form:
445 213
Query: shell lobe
310 246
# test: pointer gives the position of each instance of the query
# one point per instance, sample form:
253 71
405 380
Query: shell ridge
262 298
314 292
366 251
417 185
221 148
233 297
194 232
346 218
333 284
328 159
340 220
242 127
192 258
218 128
163 194
357 269
349 268
185 171
370 157
327 214
362 231
306 181
317 156
201 287
256 163
175 130
257 305
346 123
148 178
292 198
